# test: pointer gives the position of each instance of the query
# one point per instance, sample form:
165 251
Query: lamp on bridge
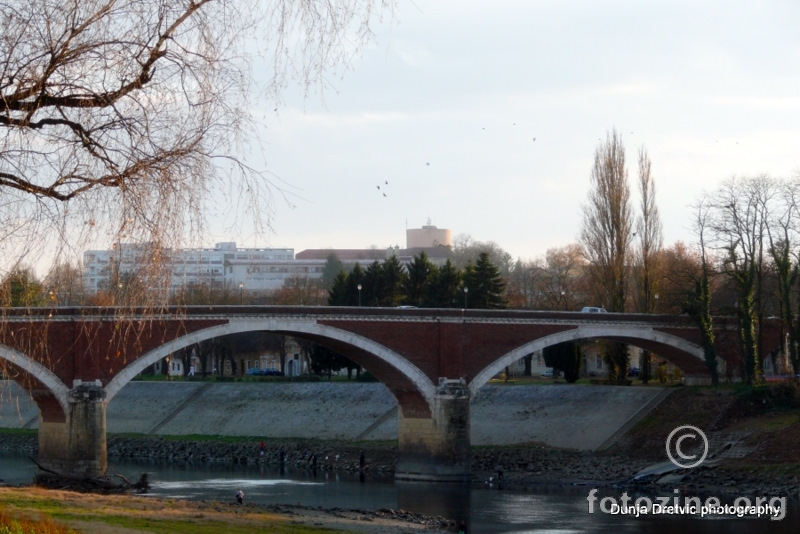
466 290
359 295
241 293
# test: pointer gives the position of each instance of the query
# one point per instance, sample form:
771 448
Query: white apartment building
224 266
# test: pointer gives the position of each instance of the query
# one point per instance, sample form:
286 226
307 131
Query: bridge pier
437 448
77 447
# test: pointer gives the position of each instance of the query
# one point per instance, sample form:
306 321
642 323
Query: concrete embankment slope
575 417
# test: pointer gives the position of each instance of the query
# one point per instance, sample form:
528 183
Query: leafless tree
738 225
63 285
522 289
606 237
561 287
650 238
121 119
783 232
650 241
466 249
301 290
607 224
698 303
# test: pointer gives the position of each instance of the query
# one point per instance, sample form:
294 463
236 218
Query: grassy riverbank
126 514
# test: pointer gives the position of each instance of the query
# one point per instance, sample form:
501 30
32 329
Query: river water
488 510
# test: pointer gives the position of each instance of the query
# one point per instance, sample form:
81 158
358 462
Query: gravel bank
523 467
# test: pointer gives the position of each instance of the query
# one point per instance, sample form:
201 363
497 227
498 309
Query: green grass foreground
25 510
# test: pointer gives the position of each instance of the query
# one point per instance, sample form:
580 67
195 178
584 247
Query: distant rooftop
344 254
371 254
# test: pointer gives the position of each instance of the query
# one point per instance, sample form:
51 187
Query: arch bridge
74 361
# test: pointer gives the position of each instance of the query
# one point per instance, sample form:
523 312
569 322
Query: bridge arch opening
410 386
40 373
686 355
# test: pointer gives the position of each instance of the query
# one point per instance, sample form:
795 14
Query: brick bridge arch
358 346
659 342
39 372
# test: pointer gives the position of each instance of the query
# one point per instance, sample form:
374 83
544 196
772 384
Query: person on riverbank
462 528
361 461
240 497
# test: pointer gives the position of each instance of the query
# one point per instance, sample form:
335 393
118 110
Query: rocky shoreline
522 467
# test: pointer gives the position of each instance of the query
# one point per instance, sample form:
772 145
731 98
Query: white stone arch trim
582 332
44 375
289 325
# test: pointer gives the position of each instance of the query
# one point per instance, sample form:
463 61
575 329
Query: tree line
421 283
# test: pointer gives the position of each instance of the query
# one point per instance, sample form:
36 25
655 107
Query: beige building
428 237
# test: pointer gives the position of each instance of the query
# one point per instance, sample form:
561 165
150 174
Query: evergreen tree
485 284
357 276
333 267
418 282
392 281
337 294
564 357
446 287
371 286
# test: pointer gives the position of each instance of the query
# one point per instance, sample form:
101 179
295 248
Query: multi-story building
224 266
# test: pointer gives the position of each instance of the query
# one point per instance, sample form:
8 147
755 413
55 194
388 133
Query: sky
483 118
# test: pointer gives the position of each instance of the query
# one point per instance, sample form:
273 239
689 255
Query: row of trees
422 284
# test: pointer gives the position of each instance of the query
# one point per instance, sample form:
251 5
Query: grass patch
114 513
11 523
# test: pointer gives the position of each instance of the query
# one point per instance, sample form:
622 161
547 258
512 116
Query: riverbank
523 467
118 514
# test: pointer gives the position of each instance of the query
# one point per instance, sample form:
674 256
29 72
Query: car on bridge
593 309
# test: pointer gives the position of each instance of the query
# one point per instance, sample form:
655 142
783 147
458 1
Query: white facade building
224 266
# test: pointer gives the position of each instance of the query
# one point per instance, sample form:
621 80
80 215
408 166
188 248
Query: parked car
255 371
548 373
633 371
593 309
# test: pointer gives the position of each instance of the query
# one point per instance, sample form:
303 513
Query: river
488 509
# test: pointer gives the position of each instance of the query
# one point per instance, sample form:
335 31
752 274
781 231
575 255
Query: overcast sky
446 103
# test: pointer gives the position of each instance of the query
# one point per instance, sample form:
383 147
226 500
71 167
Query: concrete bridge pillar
77 447
437 448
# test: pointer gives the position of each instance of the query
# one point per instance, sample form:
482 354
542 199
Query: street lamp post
241 294
359 295
466 290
